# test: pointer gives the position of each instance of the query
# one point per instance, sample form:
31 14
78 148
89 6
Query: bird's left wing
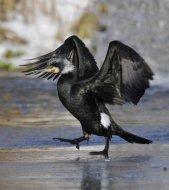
72 54
123 77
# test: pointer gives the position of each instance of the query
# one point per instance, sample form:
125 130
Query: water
31 115
136 167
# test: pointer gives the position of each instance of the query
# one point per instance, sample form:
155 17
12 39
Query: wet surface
31 115
130 167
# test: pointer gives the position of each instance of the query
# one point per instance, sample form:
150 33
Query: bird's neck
66 80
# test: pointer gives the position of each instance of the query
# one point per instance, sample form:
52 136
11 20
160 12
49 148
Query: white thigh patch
105 120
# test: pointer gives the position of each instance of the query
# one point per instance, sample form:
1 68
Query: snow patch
40 32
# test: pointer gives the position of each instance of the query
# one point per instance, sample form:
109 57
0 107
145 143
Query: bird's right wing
123 77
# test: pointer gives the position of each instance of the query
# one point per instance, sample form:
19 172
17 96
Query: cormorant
84 89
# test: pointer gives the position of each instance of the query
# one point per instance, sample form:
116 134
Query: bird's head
71 57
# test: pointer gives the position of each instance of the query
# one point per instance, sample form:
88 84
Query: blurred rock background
34 27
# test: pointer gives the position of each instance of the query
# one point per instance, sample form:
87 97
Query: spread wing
123 77
72 54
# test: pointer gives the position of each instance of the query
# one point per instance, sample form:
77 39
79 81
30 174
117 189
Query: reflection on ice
62 168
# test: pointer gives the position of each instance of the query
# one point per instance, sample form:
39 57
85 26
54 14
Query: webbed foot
103 152
71 141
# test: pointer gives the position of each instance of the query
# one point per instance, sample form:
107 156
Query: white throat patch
105 120
68 67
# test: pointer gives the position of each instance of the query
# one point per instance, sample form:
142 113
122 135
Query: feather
42 75
123 77
55 77
51 76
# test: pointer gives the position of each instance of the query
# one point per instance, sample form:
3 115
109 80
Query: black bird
84 89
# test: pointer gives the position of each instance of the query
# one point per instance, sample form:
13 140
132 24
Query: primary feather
123 77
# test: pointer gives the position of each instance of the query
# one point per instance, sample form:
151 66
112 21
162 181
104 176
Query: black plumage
84 89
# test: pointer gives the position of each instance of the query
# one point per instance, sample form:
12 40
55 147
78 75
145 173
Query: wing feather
81 57
123 77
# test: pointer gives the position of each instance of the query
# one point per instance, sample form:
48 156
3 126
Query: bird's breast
72 100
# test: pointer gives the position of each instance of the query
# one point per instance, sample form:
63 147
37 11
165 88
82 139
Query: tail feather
131 138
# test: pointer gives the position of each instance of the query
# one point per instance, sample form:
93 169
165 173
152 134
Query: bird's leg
104 152
74 141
